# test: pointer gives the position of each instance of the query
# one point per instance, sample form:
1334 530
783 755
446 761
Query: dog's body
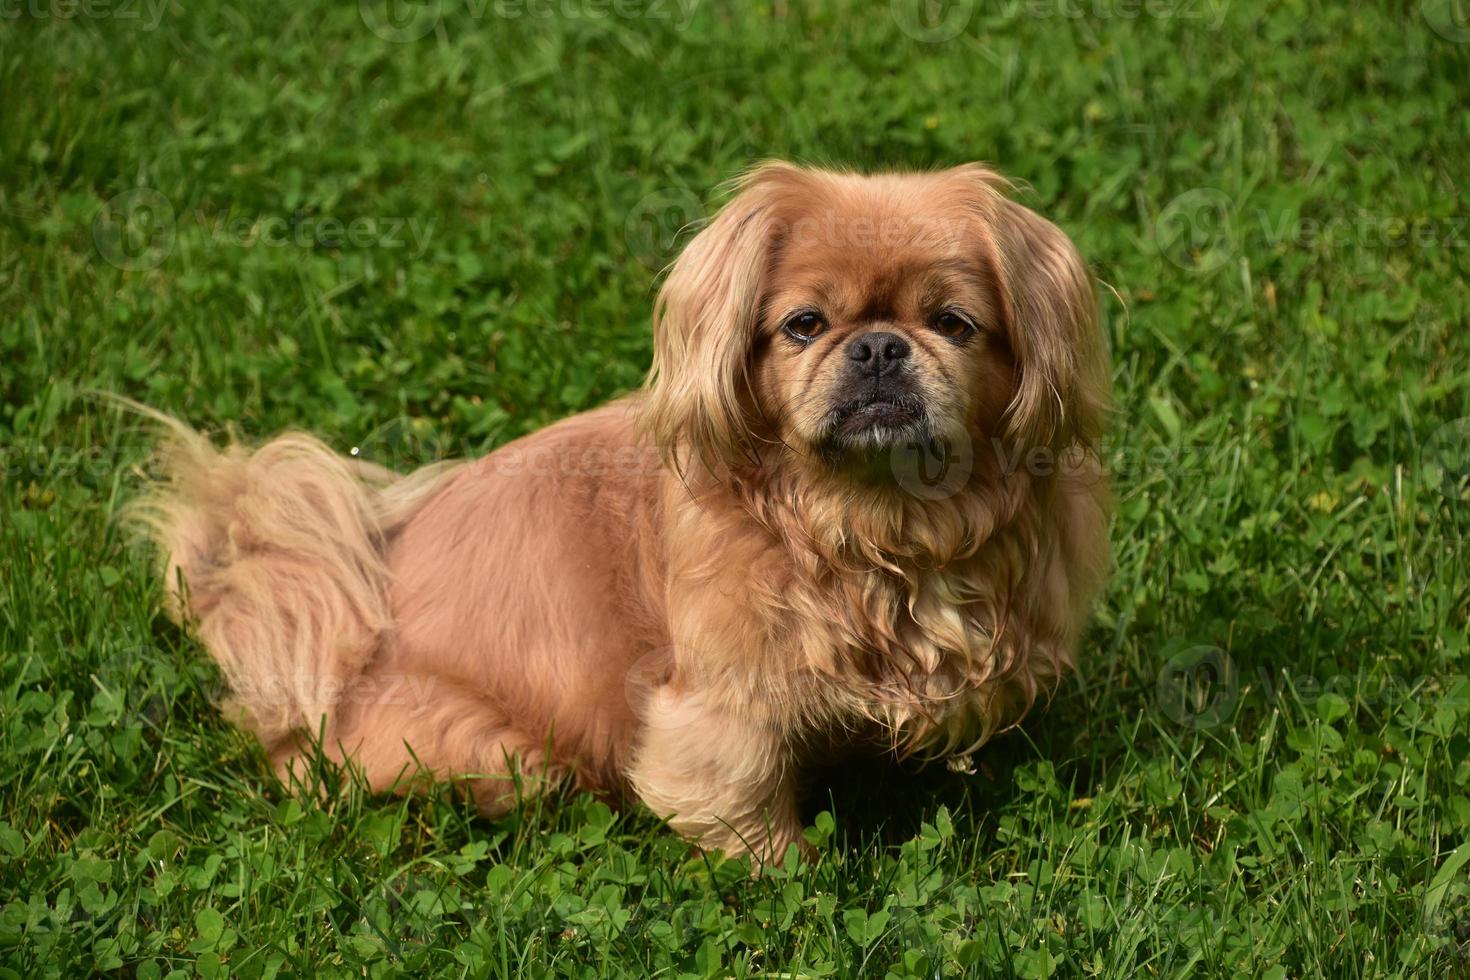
693 591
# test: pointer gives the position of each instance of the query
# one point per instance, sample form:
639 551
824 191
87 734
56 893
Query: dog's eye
805 326
952 324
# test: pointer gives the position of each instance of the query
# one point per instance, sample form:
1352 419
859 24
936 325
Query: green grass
1275 194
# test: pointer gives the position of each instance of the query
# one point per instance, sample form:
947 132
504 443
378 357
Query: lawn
422 234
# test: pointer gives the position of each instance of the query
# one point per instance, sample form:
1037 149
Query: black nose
878 353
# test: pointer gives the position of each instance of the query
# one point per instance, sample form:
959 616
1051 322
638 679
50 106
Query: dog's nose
878 353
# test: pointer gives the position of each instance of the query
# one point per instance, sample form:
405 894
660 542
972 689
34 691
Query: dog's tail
276 556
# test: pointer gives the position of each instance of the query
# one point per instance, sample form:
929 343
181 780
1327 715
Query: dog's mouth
880 413
877 422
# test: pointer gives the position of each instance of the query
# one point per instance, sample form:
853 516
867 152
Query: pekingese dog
857 506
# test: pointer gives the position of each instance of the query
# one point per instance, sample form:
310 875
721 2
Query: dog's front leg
722 778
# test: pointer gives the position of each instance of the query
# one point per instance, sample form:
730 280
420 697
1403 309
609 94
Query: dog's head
828 319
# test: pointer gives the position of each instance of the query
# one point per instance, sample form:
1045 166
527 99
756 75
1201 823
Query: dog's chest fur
833 635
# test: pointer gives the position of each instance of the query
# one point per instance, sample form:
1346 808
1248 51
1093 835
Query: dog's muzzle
878 404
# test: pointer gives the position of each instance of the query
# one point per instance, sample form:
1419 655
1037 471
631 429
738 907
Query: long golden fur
856 506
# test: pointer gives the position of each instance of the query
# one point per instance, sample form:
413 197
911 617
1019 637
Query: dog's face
878 330
838 317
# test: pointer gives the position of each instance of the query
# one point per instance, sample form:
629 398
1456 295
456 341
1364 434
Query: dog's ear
699 403
1050 309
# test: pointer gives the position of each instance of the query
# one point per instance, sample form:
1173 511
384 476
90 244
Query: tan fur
683 594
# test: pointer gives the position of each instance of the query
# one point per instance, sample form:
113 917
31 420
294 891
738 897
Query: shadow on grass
883 802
